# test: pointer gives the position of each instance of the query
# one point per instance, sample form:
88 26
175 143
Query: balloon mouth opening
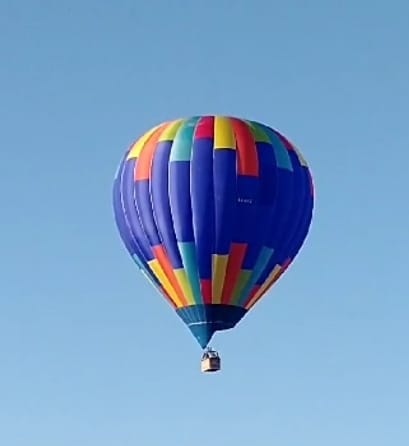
204 320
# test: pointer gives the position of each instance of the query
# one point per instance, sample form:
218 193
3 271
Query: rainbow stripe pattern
213 210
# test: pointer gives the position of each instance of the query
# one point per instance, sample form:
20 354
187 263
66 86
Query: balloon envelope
213 210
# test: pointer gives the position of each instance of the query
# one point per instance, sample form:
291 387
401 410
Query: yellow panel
266 285
185 285
140 143
223 134
164 281
169 132
218 275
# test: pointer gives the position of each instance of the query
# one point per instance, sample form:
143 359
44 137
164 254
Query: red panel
206 285
246 147
205 128
236 257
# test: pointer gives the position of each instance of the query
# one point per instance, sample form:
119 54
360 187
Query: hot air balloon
213 210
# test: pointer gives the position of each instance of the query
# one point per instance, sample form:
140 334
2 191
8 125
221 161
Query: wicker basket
211 364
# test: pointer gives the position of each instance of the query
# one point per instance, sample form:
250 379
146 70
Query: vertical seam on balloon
240 296
220 261
134 249
160 251
199 296
288 165
149 267
183 276
125 213
191 268
301 230
173 289
265 253
185 251
167 136
251 166
204 131
298 170
245 165
118 190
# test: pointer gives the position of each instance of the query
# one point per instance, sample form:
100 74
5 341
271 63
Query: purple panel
161 203
179 191
202 194
127 191
225 198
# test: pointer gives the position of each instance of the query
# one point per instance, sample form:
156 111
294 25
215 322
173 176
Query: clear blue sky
90 354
